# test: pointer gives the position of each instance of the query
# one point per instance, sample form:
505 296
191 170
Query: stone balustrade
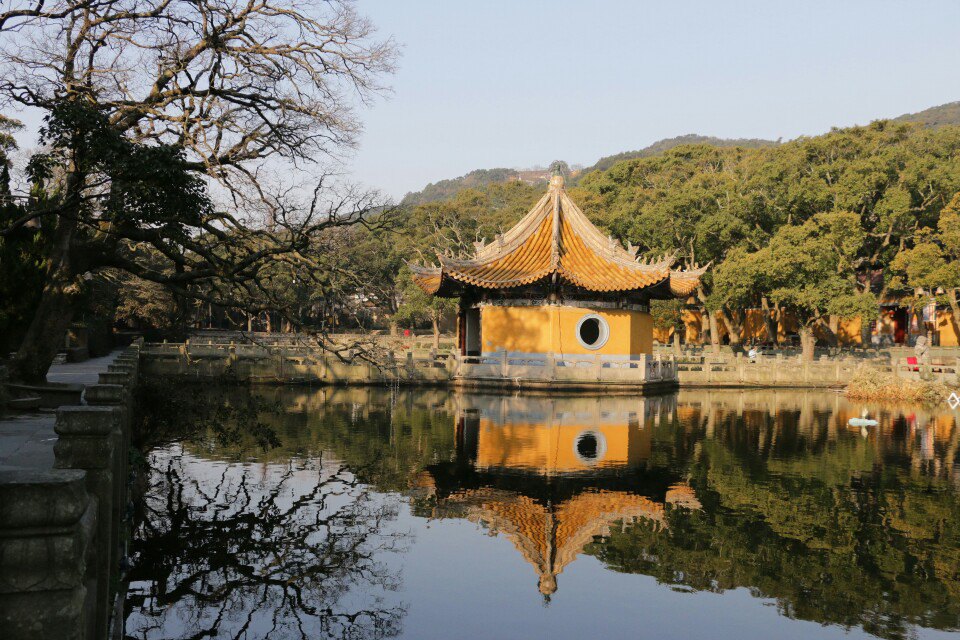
60 529
293 364
306 364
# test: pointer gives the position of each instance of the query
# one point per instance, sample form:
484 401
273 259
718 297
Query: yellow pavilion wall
552 329
536 447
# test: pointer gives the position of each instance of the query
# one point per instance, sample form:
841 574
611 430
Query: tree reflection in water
838 526
769 491
261 550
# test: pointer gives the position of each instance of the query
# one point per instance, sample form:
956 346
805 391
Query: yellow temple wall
949 333
552 329
848 330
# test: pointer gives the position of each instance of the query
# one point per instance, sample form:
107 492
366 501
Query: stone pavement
27 439
85 373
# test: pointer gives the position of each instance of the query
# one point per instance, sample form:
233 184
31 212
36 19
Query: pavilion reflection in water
553 474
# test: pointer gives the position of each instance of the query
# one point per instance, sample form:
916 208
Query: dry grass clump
872 384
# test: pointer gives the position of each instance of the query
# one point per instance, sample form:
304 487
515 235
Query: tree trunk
769 323
734 322
835 328
830 329
714 333
49 325
435 321
865 333
54 314
807 342
676 341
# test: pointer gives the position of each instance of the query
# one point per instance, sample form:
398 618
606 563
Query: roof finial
556 182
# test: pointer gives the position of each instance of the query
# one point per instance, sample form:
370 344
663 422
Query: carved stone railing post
117 395
90 439
48 523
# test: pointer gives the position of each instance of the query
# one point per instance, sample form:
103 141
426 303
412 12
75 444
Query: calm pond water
375 513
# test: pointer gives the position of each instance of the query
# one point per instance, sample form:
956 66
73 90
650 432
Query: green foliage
809 268
7 144
416 307
668 314
149 185
21 253
932 265
21 278
423 230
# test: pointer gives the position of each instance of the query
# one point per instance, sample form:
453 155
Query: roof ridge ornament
555 233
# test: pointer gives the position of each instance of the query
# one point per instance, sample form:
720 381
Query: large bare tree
142 96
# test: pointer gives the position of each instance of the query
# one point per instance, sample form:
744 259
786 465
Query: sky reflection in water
428 514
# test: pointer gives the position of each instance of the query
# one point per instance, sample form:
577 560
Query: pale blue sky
498 83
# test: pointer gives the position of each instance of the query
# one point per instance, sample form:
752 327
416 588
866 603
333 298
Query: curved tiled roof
555 239
551 536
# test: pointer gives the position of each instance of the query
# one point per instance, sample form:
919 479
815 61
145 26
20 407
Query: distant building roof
556 240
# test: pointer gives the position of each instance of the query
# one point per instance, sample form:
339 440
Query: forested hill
935 116
669 143
945 114
445 189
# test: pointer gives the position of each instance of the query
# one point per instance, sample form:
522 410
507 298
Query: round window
592 331
590 447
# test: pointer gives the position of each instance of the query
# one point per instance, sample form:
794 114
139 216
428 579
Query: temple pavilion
554 285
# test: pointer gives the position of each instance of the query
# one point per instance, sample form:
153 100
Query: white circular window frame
604 332
601 447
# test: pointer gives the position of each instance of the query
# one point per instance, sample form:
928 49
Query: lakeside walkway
27 439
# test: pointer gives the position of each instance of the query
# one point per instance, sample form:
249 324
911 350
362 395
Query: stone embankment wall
60 529
285 363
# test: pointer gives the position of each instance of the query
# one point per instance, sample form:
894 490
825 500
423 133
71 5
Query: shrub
869 383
